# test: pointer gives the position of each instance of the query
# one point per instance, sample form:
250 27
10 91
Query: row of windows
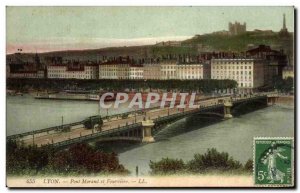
108 74
232 62
231 67
64 72
241 78
135 77
136 73
169 73
189 73
190 77
245 84
66 76
188 68
168 67
233 72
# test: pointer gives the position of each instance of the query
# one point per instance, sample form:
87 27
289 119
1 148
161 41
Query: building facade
152 71
275 60
64 71
189 71
248 73
136 72
27 74
168 70
108 71
287 72
123 71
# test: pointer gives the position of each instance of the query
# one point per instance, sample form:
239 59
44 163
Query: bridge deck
134 120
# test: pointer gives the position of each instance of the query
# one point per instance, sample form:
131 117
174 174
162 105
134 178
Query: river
177 140
24 113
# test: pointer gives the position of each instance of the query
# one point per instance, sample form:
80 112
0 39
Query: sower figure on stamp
274 174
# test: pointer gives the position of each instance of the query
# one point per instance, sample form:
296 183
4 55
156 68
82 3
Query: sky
42 29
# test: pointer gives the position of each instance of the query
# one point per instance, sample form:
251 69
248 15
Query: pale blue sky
85 25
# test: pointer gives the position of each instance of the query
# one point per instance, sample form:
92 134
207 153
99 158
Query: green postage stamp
273 161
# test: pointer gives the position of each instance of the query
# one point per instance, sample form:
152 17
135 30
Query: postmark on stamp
273 161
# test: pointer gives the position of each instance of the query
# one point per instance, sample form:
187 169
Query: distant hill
89 54
199 43
241 42
238 43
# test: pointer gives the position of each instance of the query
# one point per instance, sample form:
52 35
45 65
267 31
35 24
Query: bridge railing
55 128
186 112
94 135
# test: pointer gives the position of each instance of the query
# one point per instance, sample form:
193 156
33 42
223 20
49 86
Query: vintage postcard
150 97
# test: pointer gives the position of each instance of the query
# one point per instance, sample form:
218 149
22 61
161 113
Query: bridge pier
227 109
147 131
271 100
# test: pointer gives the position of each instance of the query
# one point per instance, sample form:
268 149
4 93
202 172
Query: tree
21 159
249 165
212 160
82 158
283 85
167 166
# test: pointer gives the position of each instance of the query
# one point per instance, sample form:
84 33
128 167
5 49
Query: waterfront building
122 68
123 71
17 68
189 71
287 72
27 74
206 69
152 71
275 60
168 70
73 71
108 71
249 73
136 72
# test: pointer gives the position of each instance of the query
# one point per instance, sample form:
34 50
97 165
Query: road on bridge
55 137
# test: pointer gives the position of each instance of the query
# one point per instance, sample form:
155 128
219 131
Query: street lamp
62 122
134 114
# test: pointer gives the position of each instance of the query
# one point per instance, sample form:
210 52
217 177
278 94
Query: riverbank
286 101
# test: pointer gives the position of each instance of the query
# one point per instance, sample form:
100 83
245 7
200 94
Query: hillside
240 42
199 43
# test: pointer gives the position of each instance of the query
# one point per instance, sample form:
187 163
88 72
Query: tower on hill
236 28
284 31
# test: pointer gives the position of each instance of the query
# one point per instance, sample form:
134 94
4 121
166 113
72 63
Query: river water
178 140
24 113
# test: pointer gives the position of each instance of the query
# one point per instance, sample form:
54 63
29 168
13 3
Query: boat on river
73 95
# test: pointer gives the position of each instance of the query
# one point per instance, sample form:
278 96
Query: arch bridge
141 128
